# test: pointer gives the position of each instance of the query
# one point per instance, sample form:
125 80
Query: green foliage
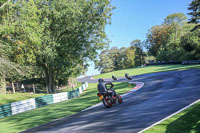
117 59
157 38
56 37
190 43
148 58
3 2
137 45
175 18
195 11
105 63
173 40
130 57
2 85
175 55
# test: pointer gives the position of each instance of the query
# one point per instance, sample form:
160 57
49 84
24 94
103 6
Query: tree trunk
4 4
2 85
50 81
17 86
33 88
75 82
13 87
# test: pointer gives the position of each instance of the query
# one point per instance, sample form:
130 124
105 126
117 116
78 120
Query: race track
163 94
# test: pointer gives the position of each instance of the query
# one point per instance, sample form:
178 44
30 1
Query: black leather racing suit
102 88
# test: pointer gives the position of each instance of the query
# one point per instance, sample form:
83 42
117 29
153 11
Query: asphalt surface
163 93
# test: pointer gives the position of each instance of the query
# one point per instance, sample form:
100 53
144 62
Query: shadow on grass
187 123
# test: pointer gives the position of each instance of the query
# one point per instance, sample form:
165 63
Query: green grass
187 121
148 69
67 88
8 98
48 113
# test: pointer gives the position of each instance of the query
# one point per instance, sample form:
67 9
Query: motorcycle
108 99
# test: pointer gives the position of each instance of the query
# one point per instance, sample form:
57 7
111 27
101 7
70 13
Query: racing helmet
100 80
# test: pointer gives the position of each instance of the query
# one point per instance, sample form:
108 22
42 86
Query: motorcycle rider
102 87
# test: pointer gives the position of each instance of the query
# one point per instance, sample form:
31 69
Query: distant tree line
176 39
116 59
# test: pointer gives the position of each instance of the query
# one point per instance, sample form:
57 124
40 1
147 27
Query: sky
132 18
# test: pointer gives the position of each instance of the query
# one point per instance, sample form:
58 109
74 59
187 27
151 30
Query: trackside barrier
22 106
5 110
29 104
43 100
59 97
80 90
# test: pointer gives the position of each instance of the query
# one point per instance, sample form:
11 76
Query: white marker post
23 88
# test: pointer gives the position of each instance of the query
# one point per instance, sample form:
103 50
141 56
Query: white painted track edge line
169 116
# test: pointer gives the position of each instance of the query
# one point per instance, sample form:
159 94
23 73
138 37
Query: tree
163 41
195 13
157 38
105 63
175 22
8 69
56 36
137 45
130 57
122 58
175 18
116 59
190 43
3 3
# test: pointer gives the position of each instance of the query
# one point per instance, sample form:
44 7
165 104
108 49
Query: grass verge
8 98
51 112
148 69
67 88
186 121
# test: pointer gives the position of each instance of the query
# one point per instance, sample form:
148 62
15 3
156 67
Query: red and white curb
169 116
138 86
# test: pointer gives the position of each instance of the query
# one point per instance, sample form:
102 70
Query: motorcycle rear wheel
107 102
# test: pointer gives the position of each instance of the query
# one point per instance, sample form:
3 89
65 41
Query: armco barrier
5 110
59 97
80 90
22 106
73 94
43 100
29 104
190 62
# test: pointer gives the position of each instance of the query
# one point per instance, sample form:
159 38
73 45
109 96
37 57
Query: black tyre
107 102
119 98
113 101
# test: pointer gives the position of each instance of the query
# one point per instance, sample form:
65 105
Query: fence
33 103
190 62
186 62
